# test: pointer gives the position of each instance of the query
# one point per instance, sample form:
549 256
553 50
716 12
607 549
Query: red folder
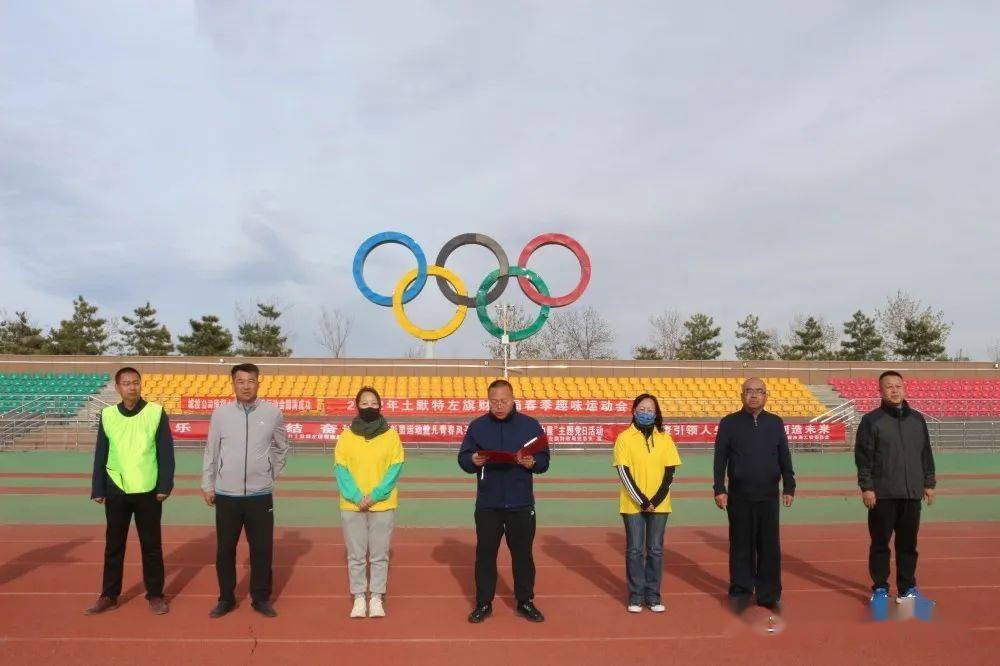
530 448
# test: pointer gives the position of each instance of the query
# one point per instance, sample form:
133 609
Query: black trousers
118 510
902 517
491 526
256 515
754 549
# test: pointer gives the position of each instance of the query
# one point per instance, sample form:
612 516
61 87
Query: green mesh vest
132 447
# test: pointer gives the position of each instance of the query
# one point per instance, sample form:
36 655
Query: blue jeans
644 556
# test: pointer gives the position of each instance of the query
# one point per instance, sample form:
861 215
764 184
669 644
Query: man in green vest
133 475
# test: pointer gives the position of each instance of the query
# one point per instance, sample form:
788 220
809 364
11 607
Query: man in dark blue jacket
751 453
505 502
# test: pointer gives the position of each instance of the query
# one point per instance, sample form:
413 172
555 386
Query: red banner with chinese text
558 433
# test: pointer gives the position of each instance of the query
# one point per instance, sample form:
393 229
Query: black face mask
368 414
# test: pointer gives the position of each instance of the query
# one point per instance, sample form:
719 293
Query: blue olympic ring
384 238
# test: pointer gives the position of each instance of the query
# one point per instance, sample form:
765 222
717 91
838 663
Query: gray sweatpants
367 535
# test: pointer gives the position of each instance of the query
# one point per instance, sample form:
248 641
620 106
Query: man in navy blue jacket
752 454
505 502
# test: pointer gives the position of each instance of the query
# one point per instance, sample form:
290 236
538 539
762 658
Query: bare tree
667 331
578 334
551 339
994 350
333 331
512 317
903 307
418 351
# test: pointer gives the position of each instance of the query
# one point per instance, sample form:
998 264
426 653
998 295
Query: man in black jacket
751 449
895 471
505 501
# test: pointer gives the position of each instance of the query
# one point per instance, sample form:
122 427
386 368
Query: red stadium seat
941 398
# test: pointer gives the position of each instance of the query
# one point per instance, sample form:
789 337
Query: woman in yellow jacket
368 459
645 458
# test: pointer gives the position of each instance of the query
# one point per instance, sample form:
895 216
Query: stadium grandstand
941 398
43 404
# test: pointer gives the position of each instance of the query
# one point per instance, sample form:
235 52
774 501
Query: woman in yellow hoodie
368 459
645 458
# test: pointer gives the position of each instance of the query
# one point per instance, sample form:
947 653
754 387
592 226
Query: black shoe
222 608
480 613
264 608
738 603
773 606
528 610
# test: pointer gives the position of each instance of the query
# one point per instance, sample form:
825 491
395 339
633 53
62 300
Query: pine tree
19 336
863 343
701 341
144 336
262 335
644 353
208 338
921 339
85 333
809 342
901 307
757 345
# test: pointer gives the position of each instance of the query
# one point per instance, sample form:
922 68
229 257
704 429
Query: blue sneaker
879 604
911 593
924 609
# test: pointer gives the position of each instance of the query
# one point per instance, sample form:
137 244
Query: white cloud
794 157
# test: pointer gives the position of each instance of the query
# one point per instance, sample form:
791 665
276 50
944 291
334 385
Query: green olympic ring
484 315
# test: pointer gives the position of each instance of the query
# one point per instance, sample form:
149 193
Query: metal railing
946 433
46 421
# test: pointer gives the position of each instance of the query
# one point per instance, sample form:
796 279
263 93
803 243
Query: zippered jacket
893 453
502 485
245 451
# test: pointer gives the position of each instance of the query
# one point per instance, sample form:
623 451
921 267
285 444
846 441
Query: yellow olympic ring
425 334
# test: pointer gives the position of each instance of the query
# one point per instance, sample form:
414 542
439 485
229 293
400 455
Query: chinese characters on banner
196 404
558 433
467 407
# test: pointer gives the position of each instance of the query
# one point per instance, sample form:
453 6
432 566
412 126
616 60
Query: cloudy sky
778 158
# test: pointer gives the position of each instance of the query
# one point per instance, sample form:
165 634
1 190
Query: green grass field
23 483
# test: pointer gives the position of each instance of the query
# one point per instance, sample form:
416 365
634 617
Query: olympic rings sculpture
453 289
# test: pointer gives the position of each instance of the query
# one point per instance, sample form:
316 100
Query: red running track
49 574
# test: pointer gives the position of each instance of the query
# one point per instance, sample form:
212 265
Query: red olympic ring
571 245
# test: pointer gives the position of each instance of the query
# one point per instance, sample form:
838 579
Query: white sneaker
658 608
375 607
360 608
634 608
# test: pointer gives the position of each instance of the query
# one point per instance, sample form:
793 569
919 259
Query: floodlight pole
505 340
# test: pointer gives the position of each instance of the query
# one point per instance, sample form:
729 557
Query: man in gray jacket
245 453
895 472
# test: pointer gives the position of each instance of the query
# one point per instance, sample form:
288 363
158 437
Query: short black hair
658 422
889 373
367 389
245 367
124 371
500 383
